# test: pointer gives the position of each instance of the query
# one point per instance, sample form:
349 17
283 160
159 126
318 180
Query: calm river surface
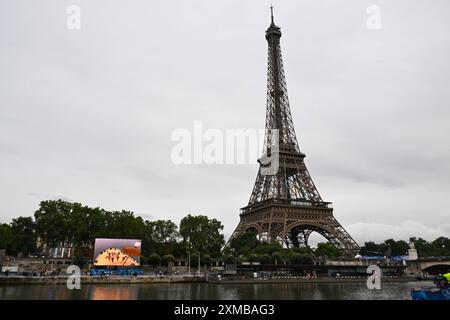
198 291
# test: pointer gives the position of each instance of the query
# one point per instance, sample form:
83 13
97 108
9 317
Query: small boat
441 290
432 293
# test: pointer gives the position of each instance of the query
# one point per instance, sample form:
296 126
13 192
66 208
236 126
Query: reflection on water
108 293
197 291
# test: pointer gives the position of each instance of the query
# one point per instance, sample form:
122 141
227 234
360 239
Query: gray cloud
89 114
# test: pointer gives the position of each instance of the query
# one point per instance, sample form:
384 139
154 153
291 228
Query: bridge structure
424 268
428 266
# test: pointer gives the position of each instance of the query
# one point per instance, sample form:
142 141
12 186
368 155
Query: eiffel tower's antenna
271 13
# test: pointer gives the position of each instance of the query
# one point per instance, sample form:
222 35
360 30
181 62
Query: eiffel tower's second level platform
286 203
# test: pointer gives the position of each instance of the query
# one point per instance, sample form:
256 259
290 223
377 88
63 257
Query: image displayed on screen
117 252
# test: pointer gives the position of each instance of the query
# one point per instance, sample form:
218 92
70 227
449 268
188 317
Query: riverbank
13 280
17 280
302 280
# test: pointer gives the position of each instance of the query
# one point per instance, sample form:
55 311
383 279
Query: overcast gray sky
87 115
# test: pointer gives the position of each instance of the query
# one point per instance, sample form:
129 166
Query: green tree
161 237
424 248
6 236
206 260
51 222
77 225
372 249
253 258
78 258
229 259
154 259
269 248
168 258
163 231
265 258
97 224
396 248
296 258
304 250
277 258
24 238
244 243
326 249
202 234
125 225
442 246
242 259
194 260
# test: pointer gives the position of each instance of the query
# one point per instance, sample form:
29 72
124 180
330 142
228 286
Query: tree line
61 223
440 247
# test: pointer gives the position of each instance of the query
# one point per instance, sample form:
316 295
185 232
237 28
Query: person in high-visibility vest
440 281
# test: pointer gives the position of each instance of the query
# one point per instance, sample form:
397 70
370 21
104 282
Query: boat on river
441 290
432 293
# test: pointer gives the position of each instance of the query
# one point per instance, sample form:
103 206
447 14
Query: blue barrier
117 272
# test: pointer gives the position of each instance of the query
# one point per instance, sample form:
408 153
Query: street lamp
199 263
189 257
189 263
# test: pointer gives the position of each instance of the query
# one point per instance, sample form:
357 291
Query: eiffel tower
285 205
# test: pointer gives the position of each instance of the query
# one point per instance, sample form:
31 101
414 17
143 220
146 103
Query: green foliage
304 250
242 258
296 258
154 259
162 231
6 236
277 258
161 237
265 258
326 249
51 221
78 258
396 248
244 243
253 258
267 248
168 258
229 259
202 234
206 260
60 221
194 260
438 247
23 236
57 221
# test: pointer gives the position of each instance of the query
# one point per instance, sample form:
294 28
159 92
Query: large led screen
117 252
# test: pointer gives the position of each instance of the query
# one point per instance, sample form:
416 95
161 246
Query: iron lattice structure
286 206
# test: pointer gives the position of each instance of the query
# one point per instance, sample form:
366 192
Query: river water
199 291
